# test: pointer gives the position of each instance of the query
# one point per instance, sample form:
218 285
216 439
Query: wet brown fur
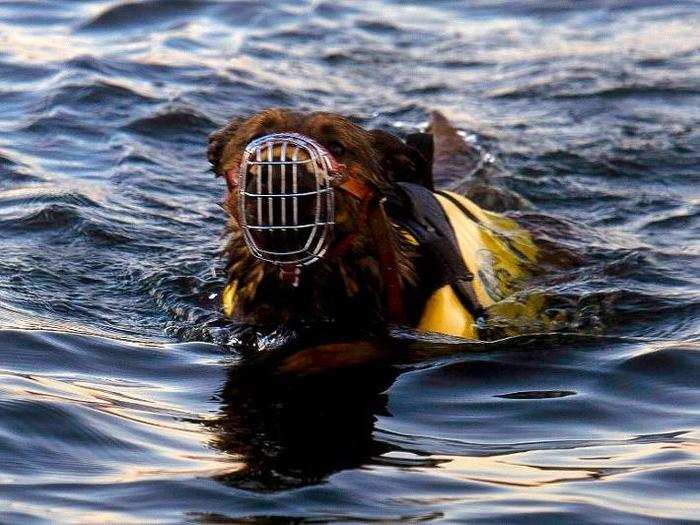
341 288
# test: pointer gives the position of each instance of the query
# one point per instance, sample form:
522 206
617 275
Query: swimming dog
330 222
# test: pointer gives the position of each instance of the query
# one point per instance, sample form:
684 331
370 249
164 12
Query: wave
560 90
12 73
98 93
50 217
172 122
144 14
6 162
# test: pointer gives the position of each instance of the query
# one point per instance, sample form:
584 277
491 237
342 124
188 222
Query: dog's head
376 157
373 160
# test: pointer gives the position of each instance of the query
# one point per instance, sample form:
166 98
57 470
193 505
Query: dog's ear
425 145
409 161
217 142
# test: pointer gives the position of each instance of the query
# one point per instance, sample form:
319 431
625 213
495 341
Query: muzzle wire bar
259 181
295 204
283 181
269 184
271 234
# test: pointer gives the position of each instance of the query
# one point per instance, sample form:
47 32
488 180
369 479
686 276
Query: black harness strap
427 222
459 205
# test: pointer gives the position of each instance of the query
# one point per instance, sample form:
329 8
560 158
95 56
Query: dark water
115 406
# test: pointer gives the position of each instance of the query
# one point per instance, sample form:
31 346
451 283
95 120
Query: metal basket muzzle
286 199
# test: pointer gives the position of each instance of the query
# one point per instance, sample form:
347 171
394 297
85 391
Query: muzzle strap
357 189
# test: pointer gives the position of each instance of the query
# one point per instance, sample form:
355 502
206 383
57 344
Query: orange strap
357 188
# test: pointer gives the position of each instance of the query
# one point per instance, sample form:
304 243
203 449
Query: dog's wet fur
345 289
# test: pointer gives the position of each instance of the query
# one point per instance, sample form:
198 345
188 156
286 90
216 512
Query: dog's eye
336 149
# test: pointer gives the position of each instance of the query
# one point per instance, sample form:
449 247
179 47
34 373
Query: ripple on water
14 73
102 410
13 173
176 122
149 14
49 217
94 96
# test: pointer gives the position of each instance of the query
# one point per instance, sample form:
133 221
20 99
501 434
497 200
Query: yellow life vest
494 248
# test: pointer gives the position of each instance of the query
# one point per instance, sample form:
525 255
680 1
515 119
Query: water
124 398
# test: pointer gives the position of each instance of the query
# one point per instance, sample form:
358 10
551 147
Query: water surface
125 398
